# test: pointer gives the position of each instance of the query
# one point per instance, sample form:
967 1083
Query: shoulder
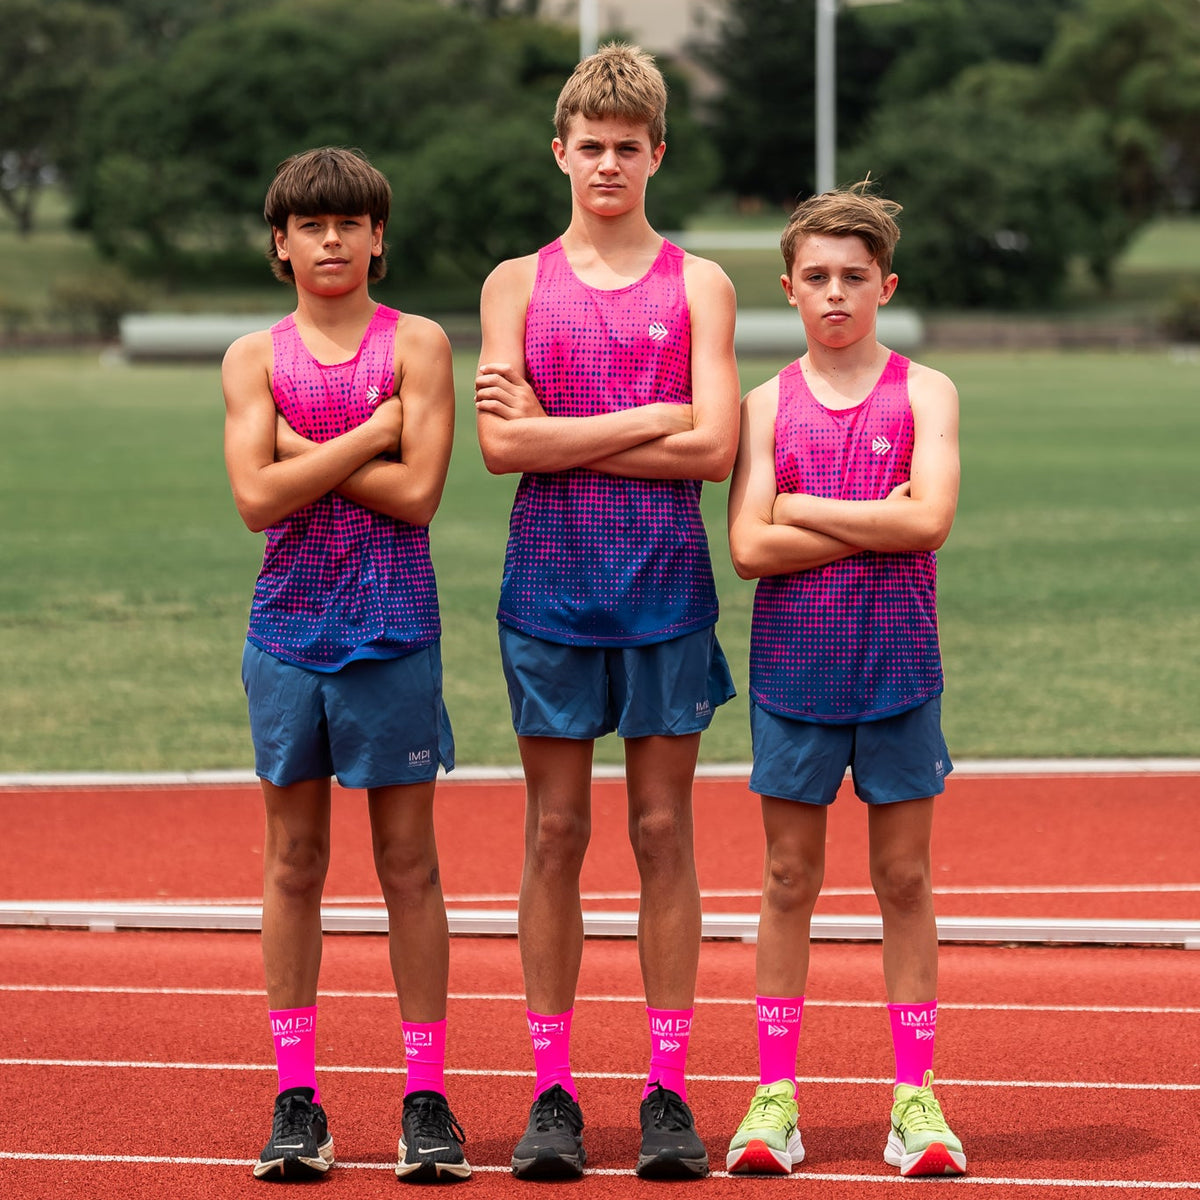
250 352
420 342
704 274
762 402
930 389
512 276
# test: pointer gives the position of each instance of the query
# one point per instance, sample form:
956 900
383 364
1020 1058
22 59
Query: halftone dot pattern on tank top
856 639
339 581
594 559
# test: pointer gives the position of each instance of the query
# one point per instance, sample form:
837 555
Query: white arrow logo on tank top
658 331
372 396
881 445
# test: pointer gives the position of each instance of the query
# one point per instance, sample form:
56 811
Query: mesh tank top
340 582
855 640
593 559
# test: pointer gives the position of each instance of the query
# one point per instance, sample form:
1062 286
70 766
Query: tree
456 110
49 57
998 198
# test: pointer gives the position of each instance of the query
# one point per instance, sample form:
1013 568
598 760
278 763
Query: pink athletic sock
425 1053
779 1020
913 1029
670 1029
551 1037
295 1033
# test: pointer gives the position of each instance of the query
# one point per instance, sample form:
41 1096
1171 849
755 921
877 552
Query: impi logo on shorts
416 757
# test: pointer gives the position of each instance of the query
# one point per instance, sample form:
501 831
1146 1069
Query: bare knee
661 835
792 884
295 868
407 873
556 842
901 886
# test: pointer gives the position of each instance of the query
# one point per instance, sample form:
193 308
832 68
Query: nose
332 237
608 162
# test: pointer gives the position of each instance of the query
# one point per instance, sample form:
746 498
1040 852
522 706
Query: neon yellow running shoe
921 1143
767 1141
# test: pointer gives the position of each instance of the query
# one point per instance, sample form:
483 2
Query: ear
888 288
377 240
656 156
788 290
560 154
280 236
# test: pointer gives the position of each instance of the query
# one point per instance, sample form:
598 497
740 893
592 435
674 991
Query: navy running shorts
372 723
664 689
899 758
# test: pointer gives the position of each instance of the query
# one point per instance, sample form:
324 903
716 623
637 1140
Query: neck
844 362
628 233
334 312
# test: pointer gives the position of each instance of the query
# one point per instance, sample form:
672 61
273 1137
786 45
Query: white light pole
826 100
589 27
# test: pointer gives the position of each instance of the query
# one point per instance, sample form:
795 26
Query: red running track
1118 846
139 1065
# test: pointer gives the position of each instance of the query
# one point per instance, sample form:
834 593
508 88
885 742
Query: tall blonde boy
607 380
846 483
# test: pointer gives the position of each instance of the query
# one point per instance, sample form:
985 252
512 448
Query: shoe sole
671 1167
549 1166
757 1158
296 1168
935 1159
429 1172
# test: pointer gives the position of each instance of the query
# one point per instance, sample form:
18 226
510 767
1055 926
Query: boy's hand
500 389
388 420
676 418
902 491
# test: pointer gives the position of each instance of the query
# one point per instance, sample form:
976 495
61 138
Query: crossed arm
274 471
773 533
657 440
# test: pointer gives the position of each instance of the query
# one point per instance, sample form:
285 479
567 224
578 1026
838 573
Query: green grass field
1068 587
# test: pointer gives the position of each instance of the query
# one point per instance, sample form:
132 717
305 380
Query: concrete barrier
772 331
202 336
206 336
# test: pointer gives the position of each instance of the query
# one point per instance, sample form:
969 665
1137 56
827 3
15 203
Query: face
836 286
608 163
330 254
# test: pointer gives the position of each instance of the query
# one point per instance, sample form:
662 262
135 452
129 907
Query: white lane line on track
802 1176
1066 889
515 997
872 1081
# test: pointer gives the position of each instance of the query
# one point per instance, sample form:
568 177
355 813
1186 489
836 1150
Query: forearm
391 488
889 526
696 454
543 445
764 549
278 489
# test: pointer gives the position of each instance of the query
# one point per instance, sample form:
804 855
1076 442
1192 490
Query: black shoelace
432 1119
554 1109
293 1118
668 1110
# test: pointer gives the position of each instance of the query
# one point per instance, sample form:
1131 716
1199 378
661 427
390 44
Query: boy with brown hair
846 483
607 379
338 427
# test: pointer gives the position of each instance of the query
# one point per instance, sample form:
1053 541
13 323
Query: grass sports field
1068 587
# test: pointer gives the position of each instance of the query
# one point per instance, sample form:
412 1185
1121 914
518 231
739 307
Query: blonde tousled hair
619 81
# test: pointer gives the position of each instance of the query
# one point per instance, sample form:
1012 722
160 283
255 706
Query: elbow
745 562
716 462
254 513
499 455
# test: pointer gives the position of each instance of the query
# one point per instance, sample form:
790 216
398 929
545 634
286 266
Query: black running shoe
552 1147
431 1141
300 1146
670 1147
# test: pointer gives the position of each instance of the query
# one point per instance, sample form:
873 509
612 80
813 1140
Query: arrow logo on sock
924 1035
541 1043
777 1030
289 1041
671 1046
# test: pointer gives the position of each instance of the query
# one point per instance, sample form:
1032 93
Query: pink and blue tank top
340 582
855 640
594 559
